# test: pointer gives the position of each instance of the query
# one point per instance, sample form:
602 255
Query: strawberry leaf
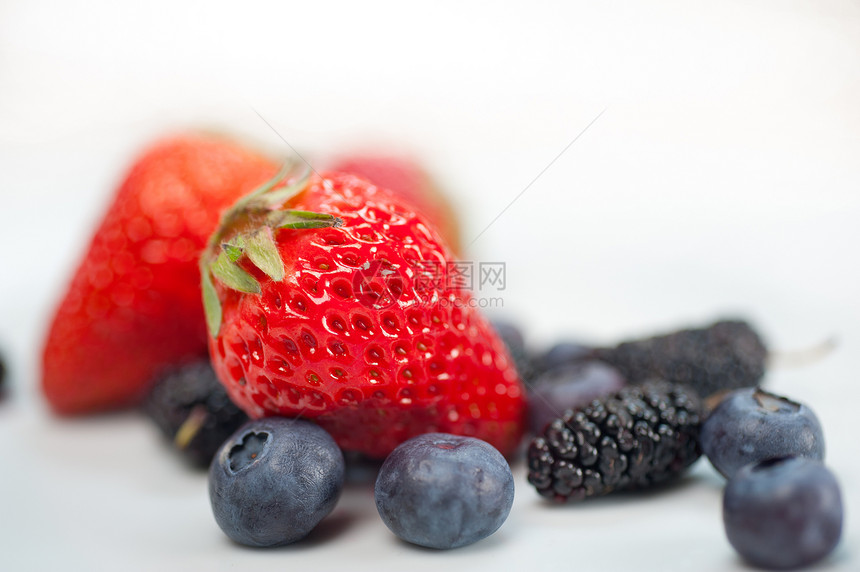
211 303
301 219
234 248
228 272
261 249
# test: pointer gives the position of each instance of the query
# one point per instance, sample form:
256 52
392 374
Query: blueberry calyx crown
247 451
775 403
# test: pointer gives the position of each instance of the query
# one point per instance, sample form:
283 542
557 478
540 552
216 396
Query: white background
723 178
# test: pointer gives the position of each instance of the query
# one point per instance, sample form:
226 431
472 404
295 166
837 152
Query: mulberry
191 407
638 437
727 355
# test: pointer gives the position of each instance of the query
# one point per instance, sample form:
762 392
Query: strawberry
406 178
133 305
325 301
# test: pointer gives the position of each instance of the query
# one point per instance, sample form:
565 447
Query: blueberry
563 354
752 425
273 480
569 387
444 491
783 513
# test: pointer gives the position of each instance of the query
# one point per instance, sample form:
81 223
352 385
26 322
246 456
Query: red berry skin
133 304
372 372
407 179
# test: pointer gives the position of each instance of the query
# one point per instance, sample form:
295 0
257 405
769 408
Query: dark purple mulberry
640 436
727 355
191 408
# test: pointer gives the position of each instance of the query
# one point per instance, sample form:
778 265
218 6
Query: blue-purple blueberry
783 513
569 387
752 425
444 491
274 480
563 354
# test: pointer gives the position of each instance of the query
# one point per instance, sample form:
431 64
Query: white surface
722 178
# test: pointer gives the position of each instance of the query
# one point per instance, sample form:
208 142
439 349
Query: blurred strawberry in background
133 305
406 177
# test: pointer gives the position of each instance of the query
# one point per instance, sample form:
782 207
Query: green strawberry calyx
247 230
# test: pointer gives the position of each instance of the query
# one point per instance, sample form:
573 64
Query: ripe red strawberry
133 305
407 179
333 306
